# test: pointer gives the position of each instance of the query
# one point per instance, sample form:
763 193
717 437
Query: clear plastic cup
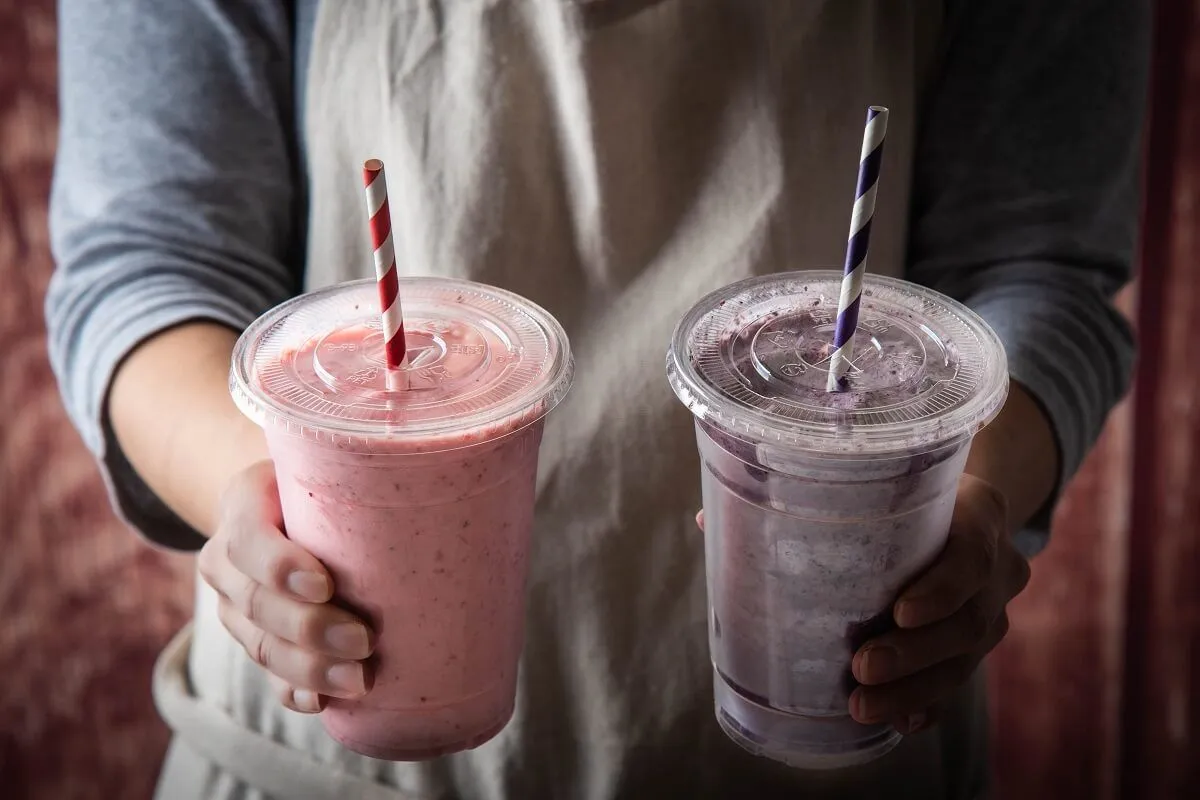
819 507
418 500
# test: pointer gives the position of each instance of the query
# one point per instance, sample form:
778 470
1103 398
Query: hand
947 620
275 599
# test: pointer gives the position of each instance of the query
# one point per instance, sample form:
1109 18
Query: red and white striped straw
385 268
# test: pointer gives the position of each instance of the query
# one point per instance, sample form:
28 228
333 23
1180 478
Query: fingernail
349 638
308 585
880 663
347 676
914 612
905 612
306 700
858 707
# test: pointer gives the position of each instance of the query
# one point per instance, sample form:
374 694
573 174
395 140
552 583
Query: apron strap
268 766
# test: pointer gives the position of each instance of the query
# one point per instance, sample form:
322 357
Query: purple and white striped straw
856 247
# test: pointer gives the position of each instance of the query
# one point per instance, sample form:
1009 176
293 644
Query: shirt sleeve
173 196
1026 192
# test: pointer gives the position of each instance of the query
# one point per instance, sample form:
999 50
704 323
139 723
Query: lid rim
708 403
261 406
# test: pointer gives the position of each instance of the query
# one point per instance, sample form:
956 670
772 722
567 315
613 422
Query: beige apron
612 160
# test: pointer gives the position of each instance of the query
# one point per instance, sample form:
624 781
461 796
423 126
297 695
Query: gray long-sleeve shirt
179 187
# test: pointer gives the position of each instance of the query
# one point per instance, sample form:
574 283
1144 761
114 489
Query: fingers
966 564
274 599
250 536
910 696
948 619
917 693
700 519
297 666
917 721
270 559
303 701
323 628
901 653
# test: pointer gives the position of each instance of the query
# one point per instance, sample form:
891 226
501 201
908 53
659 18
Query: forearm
1018 455
174 200
1024 203
172 414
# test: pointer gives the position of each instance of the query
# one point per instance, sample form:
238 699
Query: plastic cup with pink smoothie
419 500
820 507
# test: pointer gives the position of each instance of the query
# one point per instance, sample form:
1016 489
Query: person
612 160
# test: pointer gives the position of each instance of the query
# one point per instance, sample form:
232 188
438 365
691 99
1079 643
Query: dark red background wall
1096 693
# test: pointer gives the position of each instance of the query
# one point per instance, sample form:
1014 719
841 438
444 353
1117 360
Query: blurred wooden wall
84 607
1160 720
1096 692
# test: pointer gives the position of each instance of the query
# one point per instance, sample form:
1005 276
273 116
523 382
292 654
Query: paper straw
856 247
380 217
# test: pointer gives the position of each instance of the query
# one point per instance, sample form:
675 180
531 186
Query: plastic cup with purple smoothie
819 507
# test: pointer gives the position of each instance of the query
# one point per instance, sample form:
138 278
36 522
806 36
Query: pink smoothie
418 500
429 547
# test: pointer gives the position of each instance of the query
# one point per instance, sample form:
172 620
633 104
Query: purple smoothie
820 507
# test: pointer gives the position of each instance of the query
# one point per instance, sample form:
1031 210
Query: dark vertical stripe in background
1160 712
1096 694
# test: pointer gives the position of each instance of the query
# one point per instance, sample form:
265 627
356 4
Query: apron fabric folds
613 161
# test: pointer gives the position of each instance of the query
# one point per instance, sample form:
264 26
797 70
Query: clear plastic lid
754 358
479 358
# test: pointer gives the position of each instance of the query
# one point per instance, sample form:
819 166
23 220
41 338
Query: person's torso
613 161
